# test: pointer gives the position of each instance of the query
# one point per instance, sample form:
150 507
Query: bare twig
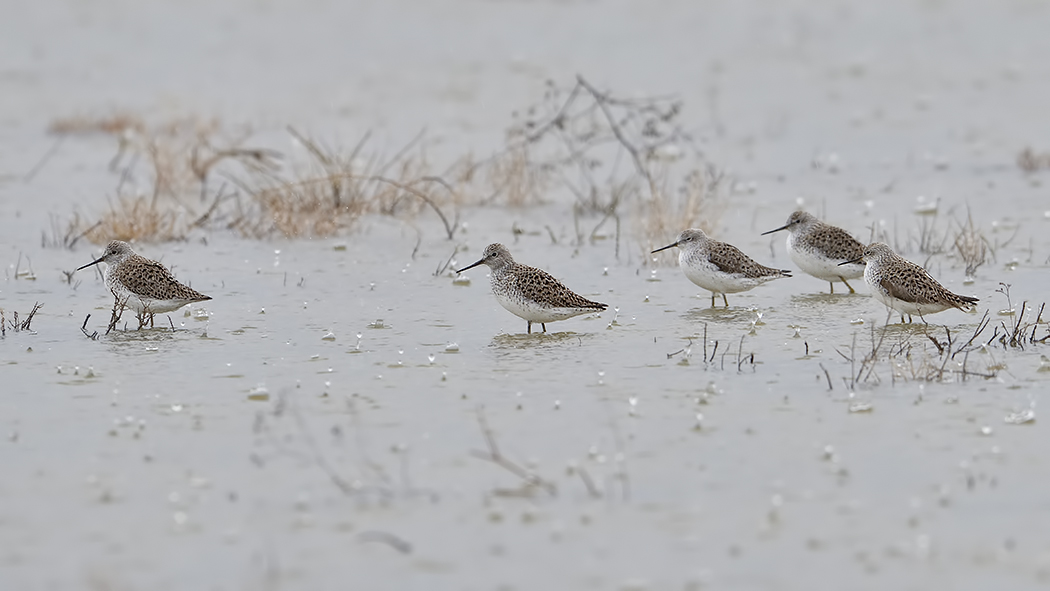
827 375
27 177
29 319
83 328
494 455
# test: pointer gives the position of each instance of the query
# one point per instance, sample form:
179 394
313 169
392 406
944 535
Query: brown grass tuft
971 246
160 169
605 152
1031 161
698 202
515 179
136 219
327 194
116 124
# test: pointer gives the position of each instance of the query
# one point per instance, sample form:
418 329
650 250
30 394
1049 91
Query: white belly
140 304
819 266
534 312
708 276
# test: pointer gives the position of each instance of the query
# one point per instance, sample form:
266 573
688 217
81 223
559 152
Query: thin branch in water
493 455
387 538
444 266
27 177
83 328
827 376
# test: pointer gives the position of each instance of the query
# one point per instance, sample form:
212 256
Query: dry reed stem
925 361
115 124
606 150
971 246
515 178
699 202
136 219
25 325
334 190
174 159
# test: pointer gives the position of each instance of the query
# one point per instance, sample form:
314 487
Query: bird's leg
725 300
530 326
832 284
712 299
544 325
851 290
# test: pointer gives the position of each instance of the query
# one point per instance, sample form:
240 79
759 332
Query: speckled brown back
541 287
730 259
831 241
149 279
908 282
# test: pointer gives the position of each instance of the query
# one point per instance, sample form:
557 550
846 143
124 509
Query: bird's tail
964 303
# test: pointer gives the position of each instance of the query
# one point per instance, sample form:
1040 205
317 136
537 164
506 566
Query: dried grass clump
1031 161
971 246
328 193
603 150
947 236
116 124
166 172
928 356
297 209
915 356
515 179
133 218
161 169
697 203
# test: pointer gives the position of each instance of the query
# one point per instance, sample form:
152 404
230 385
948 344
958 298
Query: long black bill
856 260
471 266
664 248
91 263
784 227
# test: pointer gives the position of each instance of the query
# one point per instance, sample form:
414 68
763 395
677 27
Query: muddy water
330 417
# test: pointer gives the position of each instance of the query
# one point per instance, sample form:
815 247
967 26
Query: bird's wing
908 286
730 259
149 279
836 243
540 286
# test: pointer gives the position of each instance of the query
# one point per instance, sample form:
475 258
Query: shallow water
319 421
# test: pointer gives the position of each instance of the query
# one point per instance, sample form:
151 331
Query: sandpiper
141 284
821 249
719 267
906 287
531 293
